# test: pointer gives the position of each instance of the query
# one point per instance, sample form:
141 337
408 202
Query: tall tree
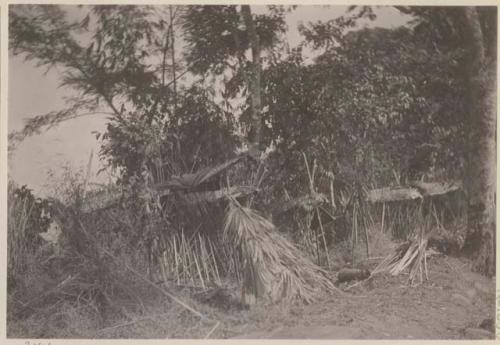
474 30
219 37
253 80
481 163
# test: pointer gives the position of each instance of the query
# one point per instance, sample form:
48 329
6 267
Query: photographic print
251 171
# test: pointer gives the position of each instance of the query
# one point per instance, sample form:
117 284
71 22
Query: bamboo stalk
162 267
205 263
189 261
214 261
184 260
354 233
313 175
176 260
309 222
324 238
236 267
200 275
365 232
383 217
204 255
332 197
425 266
311 186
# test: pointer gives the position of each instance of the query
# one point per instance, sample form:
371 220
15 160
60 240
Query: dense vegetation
375 108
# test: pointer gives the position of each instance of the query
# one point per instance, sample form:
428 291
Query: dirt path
451 305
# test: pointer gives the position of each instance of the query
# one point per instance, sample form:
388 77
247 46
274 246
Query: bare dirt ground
451 305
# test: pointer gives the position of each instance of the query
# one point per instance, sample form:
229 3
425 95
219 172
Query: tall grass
20 235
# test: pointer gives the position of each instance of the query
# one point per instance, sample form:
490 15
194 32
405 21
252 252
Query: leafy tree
368 107
116 58
219 36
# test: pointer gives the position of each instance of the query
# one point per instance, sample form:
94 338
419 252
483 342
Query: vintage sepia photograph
251 172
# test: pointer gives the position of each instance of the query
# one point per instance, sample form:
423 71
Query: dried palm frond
392 194
272 267
191 181
411 254
436 188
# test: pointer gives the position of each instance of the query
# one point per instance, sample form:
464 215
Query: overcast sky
32 92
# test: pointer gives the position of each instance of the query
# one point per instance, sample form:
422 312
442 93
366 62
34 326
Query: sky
34 91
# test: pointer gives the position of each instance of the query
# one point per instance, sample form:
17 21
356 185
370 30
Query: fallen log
212 196
307 201
187 183
348 274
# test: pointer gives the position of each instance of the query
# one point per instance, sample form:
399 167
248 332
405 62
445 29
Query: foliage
113 64
341 109
218 38
217 34
332 32
34 216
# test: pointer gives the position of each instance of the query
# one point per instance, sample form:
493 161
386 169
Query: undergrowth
111 274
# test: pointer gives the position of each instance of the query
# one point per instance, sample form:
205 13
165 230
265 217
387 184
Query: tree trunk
172 39
254 86
481 151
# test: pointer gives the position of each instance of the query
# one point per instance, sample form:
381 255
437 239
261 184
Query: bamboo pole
383 217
